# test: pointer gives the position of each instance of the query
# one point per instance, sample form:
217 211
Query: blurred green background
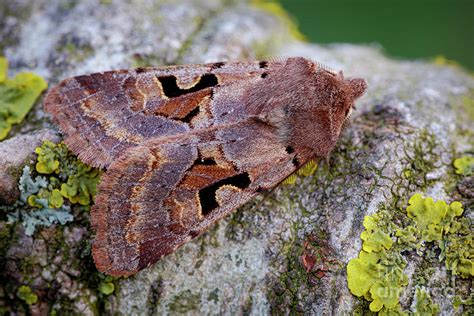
404 28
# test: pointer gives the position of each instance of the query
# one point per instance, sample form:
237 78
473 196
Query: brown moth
183 146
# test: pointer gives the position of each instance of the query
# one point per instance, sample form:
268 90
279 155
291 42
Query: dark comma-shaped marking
172 90
207 195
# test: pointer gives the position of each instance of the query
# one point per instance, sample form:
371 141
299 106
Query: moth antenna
278 59
324 67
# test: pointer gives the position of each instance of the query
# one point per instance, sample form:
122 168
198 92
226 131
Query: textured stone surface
13 153
413 117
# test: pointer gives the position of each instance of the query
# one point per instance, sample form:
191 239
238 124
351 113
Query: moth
183 146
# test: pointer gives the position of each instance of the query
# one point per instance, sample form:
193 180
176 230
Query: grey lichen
30 218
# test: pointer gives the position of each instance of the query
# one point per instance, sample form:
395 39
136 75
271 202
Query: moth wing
125 210
103 114
159 195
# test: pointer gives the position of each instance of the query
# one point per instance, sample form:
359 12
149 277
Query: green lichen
26 294
61 177
464 165
146 60
55 158
214 296
375 239
81 180
443 224
420 160
41 213
17 96
457 247
81 186
54 198
74 48
432 219
423 304
184 302
377 274
49 156
306 260
305 171
105 284
106 288
3 69
458 301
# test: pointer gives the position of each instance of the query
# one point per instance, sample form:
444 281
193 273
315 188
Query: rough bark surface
412 121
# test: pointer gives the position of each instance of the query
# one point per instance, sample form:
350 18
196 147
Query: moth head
326 102
340 95
355 88
345 92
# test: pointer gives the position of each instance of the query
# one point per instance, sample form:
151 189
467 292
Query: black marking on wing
207 195
204 161
295 162
217 65
190 115
171 89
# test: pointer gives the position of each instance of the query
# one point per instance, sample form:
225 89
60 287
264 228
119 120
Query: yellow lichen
17 96
464 165
308 169
377 273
